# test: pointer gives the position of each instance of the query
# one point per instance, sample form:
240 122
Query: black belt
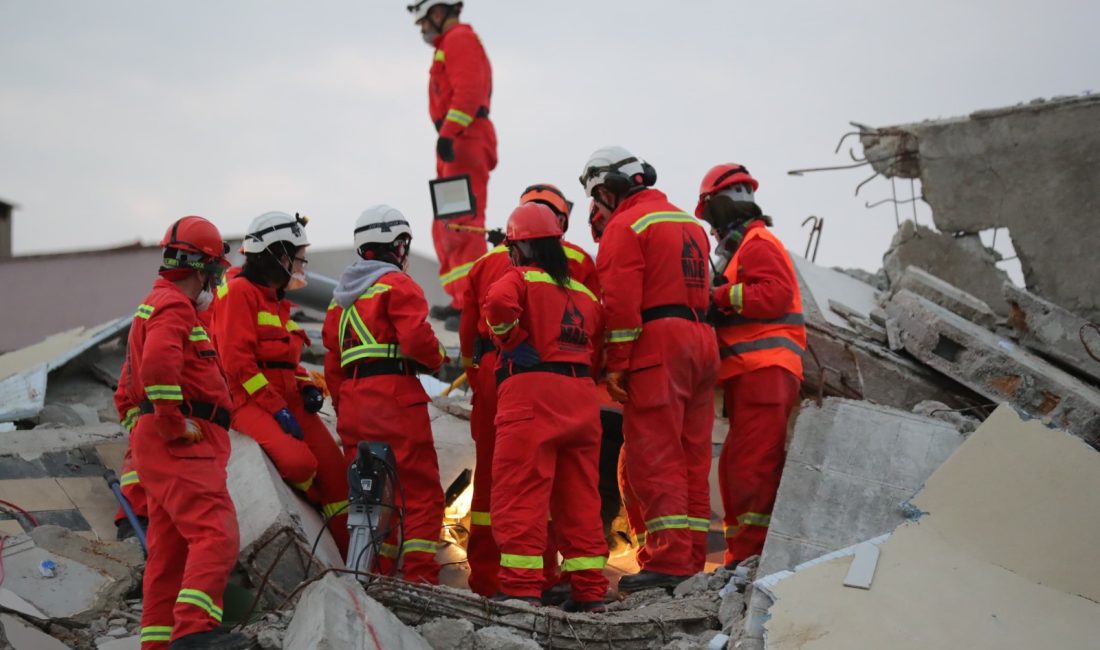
384 367
276 365
696 314
558 368
198 410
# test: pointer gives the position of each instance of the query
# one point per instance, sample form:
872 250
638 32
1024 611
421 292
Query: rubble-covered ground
893 487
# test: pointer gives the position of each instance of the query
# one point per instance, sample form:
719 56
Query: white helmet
271 227
380 224
617 168
420 8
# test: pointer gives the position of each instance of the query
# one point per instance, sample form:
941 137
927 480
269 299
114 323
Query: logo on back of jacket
572 334
693 263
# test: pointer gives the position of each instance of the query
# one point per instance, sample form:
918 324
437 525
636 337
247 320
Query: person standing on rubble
761 337
459 91
547 327
478 351
180 446
377 338
662 361
275 401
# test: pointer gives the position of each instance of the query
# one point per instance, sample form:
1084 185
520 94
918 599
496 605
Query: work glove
313 398
523 355
445 147
192 431
616 386
170 424
289 423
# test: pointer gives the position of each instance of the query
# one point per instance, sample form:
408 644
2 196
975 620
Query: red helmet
719 178
195 235
549 195
532 221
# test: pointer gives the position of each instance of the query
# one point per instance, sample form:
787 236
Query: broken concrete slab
503 638
996 367
826 286
89 580
1001 557
850 467
270 515
334 613
960 261
946 295
125 643
448 634
30 444
970 170
1053 332
17 634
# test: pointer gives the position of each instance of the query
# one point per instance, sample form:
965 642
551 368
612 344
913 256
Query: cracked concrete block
1032 168
30 444
960 261
17 634
502 638
948 296
91 578
1053 332
996 367
335 613
126 643
449 634
269 514
849 467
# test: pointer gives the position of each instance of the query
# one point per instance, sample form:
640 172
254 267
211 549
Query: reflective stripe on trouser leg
482 553
201 600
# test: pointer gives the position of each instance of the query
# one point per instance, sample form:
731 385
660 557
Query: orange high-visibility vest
748 344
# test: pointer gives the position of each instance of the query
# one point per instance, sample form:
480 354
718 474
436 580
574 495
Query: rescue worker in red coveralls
180 446
662 361
547 327
761 337
128 481
459 90
478 351
378 339
275 401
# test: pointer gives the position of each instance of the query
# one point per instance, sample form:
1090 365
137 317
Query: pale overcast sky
117 116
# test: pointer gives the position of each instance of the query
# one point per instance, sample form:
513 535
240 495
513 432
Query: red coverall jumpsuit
548 434
374 347
261 348
481 550
653 265
128 479
193 536
761 338
460 85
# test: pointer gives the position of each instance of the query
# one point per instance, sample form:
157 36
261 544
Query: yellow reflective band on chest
573 254
457 273
268 319
544 278
662 217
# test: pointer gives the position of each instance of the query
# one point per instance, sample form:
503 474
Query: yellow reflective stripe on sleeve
737 297
503 328
388 550
573 285
510 561
480 519
583 563
255 383
199 334
698 524
130 419
624 336
223 287
268 319
202 601
330 510
153 633
291 326
455 274
662 217
458 117
164 392
420 546
666 523
304 485
754 519
129 478
440 55
144 311
573 254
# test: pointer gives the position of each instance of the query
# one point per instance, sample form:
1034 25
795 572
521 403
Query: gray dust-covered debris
1055 333
946 295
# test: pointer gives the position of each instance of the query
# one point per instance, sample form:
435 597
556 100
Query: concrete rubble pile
902 520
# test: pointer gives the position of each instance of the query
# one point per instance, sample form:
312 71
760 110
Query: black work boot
591 607
649 580
443 312
557 594
212 640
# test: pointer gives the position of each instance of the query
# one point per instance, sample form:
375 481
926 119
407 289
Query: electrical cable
28 515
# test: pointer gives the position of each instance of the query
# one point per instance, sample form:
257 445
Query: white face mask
205 299
297 281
